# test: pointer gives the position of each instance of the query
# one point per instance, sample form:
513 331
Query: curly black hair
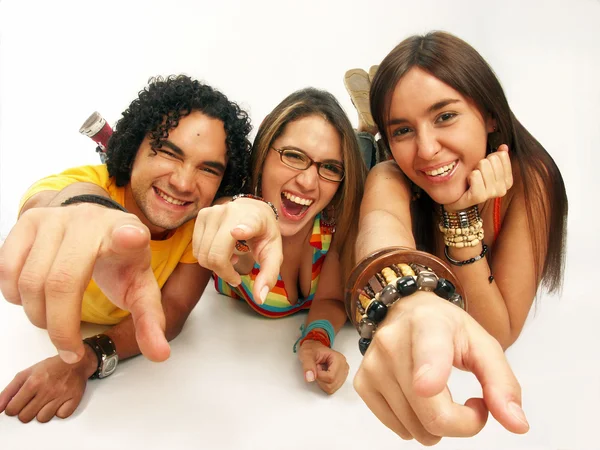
172 98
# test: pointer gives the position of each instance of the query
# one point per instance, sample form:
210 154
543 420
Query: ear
490 124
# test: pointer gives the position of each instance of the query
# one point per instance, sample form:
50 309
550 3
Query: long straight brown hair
456 63
346 202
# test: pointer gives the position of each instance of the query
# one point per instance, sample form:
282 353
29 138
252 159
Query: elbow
508 338
175 321
173 331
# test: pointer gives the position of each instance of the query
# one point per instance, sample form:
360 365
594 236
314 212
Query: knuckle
60 339
359 384
61 281
215 260
33 383
30 282
438 423
8 268
428 440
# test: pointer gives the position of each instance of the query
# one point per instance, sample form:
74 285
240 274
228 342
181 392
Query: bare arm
385 218
62 396
55 198
500 307
328 303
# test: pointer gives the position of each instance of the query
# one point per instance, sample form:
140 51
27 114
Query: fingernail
422 371
516 411
68 357
243 228
310 376
131 227
263 293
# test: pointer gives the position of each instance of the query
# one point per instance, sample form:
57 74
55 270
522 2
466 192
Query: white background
232 382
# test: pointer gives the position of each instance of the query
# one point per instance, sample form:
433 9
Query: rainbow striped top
276 304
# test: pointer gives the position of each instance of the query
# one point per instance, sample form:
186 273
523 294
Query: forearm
56 198
332 310
485 301
380 229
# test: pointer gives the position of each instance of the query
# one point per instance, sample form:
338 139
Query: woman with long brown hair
471 187
302 203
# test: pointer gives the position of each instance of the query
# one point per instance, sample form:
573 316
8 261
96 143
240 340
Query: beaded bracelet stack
392 283
462 228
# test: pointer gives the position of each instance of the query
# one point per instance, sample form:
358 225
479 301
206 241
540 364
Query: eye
166 152
400 131
333 168
211 171
446 117
294 155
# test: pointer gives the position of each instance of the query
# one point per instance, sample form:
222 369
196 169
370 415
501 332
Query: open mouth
441 172
293 206
170 200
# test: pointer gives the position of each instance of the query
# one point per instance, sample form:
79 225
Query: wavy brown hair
346 202
456 63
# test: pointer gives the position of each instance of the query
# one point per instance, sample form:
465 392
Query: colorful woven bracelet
324 325
316 335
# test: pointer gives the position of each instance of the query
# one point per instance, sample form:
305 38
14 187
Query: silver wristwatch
106 352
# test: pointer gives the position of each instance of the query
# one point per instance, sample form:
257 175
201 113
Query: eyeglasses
297 159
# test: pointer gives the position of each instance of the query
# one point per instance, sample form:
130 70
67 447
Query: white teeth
170 199
298 200
441 170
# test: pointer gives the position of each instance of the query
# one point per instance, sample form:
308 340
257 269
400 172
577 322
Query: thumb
128 239
501 390
309 366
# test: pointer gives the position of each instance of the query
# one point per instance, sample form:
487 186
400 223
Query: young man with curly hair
112 244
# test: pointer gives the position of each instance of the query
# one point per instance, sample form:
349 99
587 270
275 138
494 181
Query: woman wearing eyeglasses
307 177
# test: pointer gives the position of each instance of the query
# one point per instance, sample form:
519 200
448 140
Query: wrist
255 197
89 361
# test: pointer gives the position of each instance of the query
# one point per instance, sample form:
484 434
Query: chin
292 229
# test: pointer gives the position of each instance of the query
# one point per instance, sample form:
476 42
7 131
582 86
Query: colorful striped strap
322 324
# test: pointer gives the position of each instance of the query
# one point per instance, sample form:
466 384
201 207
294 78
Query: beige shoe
372 72
358 84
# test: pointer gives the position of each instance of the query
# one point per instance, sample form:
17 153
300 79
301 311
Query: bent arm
328 303
385 218
55 198
500 307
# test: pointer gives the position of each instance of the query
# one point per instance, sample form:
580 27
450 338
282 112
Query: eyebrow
291 147
214 164
436 106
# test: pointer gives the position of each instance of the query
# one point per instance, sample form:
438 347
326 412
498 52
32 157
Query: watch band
104 348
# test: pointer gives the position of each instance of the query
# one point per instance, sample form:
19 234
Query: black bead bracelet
392 284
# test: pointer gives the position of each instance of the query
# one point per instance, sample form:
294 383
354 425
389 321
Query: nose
183 179
428 144
308 178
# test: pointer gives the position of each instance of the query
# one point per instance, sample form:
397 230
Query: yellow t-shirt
166 254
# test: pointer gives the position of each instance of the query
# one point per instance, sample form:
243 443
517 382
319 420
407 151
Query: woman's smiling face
436 135
300 195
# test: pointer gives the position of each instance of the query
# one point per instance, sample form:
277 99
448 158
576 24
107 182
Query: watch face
109 365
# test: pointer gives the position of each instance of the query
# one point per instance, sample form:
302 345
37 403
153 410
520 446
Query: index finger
501 390
67 280
424 382
269 259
